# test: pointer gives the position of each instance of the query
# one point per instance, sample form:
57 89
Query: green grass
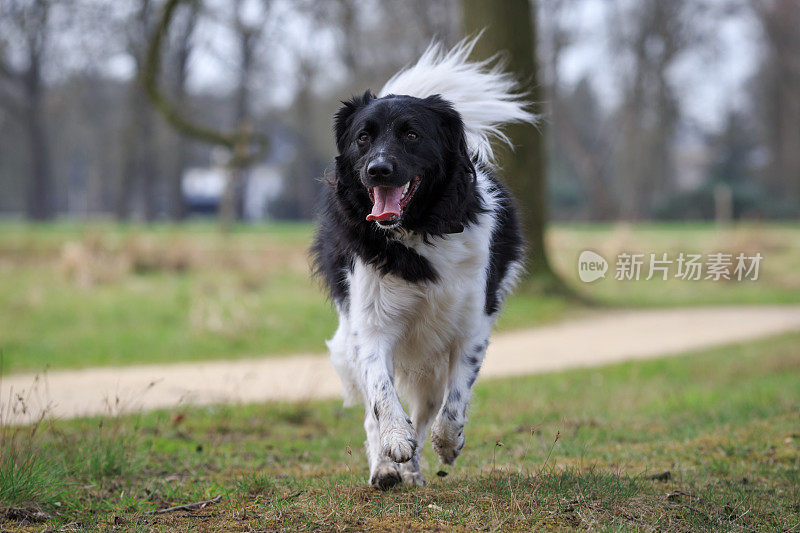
574 449
77 295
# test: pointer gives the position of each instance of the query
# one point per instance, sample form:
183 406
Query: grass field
77 295
709 440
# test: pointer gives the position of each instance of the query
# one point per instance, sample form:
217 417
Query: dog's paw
411 475
399 441
447 439
385 476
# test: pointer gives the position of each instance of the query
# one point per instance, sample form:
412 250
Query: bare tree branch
255 144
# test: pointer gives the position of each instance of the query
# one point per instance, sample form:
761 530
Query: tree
141 161
652 36
579 138
179 61
585 140
244 144
778 83
249 32
23 90
510 28
732 151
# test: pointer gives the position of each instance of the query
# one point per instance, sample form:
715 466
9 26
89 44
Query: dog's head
403 163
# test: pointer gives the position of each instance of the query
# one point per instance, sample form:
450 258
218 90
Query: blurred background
652 109
667 126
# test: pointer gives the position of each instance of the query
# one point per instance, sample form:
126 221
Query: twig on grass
187 506
289 497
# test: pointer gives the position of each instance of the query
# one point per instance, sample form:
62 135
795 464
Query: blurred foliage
78 138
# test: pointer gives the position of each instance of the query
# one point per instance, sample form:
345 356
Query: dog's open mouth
388 202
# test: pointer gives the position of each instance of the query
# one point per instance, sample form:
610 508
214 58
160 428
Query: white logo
591 266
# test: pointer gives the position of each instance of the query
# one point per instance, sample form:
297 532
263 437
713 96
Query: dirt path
597 340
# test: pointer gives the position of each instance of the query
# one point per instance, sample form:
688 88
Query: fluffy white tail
484 95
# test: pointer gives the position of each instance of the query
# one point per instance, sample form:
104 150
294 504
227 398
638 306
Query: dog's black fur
446 201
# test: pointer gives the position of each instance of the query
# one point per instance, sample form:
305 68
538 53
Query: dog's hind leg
447 434
344 360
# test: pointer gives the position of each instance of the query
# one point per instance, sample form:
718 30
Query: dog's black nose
380 168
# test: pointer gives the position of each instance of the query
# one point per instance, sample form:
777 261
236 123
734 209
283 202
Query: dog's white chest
427 317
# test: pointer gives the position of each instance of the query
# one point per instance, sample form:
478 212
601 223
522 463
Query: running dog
418 244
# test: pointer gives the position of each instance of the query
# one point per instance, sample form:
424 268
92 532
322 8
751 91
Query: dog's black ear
458 198
452 131
344 117
452 125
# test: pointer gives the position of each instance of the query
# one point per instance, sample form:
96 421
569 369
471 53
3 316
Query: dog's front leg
390 435
447 433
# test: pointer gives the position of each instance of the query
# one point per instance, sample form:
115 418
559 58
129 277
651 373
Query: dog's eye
363 138
412 136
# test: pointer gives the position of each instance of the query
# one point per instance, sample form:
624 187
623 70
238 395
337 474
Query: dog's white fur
484 95
427 341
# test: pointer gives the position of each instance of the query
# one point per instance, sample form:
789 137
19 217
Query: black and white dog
418 244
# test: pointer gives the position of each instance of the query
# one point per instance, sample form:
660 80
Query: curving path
600 339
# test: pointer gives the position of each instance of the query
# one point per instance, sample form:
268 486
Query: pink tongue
387 203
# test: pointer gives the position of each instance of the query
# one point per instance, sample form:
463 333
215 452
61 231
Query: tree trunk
511 29
39 193
140 165
177 204
134 149
587 162
634 140
781 77
232 202
149 166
